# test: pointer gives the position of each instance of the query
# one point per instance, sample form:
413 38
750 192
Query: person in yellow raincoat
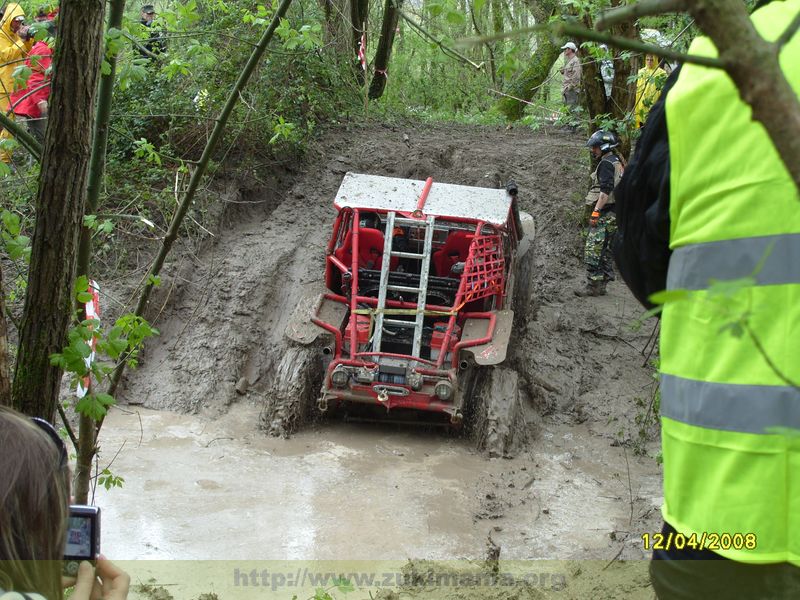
649 82
13 48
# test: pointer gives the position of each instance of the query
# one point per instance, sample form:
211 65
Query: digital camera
83 537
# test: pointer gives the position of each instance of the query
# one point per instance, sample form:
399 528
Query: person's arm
15 51
641 247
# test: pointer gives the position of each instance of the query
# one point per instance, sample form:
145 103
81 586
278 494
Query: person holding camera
34 507
14 45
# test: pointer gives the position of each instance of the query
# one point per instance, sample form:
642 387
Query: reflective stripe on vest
730 407
771 260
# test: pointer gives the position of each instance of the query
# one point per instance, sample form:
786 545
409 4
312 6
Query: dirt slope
582 491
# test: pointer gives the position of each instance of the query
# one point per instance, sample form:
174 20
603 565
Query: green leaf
90 221
344 585
18 247
478 5
92 407
71 360
105 399
108 480
82 284
665 296
20 76
455 17
11 222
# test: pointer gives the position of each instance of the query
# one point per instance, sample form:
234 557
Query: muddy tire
290 400
495 411
523 276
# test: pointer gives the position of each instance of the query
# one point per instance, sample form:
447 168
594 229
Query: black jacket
641 247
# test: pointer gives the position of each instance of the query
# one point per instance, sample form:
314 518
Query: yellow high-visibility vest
730 418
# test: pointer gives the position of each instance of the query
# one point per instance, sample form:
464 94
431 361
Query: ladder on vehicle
381 321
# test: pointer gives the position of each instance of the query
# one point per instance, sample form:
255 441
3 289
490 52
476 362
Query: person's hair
34 495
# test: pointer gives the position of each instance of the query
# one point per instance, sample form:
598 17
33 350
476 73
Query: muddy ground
205 481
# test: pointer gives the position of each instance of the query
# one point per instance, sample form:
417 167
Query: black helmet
606 140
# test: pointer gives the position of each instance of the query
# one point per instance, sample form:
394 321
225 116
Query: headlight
340 376
415 381
443 390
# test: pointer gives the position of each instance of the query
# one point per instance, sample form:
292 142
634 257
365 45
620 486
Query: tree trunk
498 25
384 51
5 371
86 427
489 47
592 83
336 33
524 85
623 94
359 11
59 206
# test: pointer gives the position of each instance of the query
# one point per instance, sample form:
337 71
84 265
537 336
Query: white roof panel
444 200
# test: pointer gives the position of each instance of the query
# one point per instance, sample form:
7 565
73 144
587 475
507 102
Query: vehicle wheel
496 413
291 398
523 276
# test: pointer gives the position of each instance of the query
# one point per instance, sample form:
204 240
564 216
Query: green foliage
20 75
122 341
108 480
17 245
344 585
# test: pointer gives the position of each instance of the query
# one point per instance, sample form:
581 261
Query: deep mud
578 488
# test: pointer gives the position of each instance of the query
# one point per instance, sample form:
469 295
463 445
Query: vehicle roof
444 200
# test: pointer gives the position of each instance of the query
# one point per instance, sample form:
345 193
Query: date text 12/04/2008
703 541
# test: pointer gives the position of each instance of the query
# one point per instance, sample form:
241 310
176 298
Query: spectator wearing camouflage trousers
603 220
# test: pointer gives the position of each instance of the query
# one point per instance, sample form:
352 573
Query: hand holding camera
95 576
106 581
26 32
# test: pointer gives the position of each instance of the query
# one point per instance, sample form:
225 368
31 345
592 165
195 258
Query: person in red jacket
30 102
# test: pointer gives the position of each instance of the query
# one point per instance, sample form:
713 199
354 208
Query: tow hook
322 403
456 418
383 396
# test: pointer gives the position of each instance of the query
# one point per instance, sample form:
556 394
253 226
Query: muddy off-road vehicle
422 280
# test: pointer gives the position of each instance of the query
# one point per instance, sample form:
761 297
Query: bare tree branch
581 33
645 8
787 35
26 140
424 33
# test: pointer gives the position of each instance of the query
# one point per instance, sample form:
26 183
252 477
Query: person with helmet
603 220
692 217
